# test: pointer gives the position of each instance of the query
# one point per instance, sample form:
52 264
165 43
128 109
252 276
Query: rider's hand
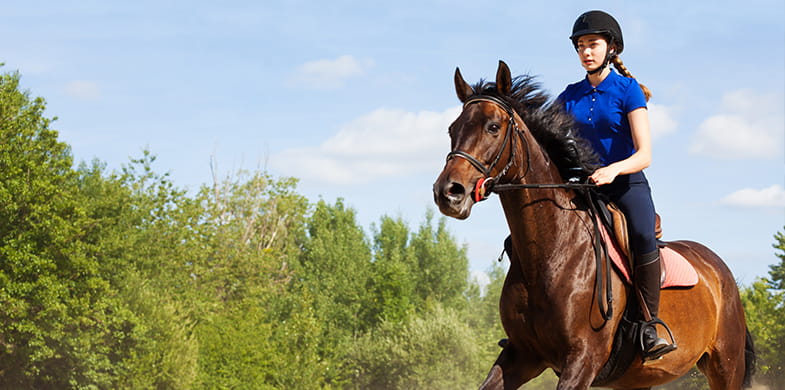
604 175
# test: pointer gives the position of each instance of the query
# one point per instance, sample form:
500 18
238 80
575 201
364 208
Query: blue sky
354 98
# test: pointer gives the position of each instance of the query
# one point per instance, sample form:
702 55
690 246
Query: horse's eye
493 128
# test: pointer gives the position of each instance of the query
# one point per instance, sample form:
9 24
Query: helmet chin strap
599 69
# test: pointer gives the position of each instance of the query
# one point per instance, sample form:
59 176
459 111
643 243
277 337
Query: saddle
618 222
676 270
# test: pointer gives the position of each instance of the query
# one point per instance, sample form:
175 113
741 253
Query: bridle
489 184
484 186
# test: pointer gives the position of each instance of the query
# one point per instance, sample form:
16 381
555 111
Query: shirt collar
586 87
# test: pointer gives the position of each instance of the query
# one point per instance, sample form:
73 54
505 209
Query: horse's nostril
455 189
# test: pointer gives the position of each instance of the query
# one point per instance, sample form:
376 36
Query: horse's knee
494 380
512 368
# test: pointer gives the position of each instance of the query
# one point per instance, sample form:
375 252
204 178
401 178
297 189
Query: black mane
552 126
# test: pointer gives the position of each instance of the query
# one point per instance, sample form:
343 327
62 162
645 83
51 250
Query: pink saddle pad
677 271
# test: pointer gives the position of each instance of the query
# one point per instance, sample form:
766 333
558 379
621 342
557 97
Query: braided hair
619 65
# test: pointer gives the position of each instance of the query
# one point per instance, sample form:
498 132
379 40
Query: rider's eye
493 128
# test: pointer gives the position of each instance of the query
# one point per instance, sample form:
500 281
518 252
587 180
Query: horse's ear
503 79
462 88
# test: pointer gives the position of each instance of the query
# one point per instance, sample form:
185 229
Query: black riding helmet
598 22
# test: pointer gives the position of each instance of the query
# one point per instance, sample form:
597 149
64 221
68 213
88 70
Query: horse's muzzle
453 199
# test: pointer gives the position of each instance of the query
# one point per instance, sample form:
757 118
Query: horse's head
483 145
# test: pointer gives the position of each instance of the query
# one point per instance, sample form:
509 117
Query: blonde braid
619 65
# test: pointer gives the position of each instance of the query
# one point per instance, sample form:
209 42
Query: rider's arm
641 159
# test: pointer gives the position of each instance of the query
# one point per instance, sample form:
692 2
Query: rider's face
591 49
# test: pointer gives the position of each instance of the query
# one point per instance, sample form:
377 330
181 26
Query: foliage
393 275
165 352
429 351
58 316
483 309
766 322
443 266
248 227
335 265
777 271
764 303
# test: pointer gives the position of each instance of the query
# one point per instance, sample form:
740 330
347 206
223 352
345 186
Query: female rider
610 112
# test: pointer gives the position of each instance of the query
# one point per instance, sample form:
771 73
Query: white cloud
661 120
80 89
749 126
330 73
773 196
383 143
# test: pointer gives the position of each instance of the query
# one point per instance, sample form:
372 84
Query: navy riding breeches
633 196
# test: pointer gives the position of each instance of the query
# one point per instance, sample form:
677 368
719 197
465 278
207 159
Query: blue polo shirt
601 114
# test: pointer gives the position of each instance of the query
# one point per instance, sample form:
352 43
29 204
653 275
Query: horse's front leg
514 367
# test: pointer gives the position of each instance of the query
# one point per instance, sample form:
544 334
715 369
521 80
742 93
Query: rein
487 185
569 185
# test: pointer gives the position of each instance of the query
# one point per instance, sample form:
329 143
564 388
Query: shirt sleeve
635 98
566 99
560 99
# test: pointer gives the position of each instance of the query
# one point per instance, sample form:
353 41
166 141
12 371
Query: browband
489 98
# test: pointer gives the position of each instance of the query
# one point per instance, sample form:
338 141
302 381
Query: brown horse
509 133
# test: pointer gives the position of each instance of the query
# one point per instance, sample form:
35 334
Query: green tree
393 273
335 265
249 230
764 304
777 271
436 329
163 348
484 308
133 225
432 350
442 272
766 322
297 337
59 322
334 271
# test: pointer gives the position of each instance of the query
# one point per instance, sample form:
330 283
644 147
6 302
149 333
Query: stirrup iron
659 353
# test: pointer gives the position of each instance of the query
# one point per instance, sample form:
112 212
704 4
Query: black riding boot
647 281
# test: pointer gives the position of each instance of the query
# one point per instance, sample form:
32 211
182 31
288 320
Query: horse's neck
544 223
547 216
